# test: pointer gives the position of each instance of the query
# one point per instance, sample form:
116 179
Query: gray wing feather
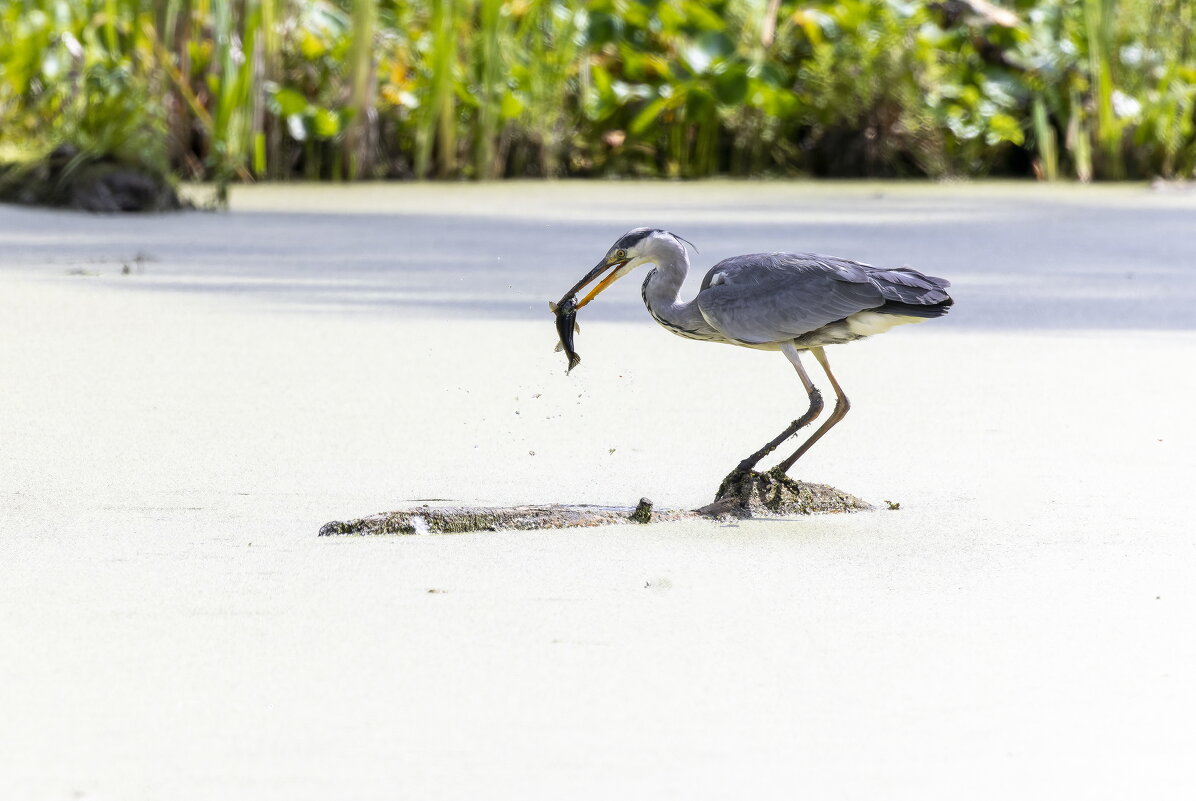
907 285
771 297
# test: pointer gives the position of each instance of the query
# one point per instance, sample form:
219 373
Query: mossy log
774 494
742 495
460 519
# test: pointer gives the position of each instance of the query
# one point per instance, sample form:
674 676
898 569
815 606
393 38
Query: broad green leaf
1004 128
327 123
511 106
604 28
701 16
716 44
311 45
731 87
289 101
601 79
648 115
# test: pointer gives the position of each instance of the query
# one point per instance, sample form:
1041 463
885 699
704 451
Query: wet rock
63 179
643 512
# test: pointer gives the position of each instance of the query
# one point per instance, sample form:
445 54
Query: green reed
490 66
362 82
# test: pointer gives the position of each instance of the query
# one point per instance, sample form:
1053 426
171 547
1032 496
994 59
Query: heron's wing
907 285
772 297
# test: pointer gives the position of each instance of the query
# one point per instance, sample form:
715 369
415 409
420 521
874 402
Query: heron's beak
599 268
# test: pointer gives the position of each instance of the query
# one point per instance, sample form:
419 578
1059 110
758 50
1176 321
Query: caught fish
566 327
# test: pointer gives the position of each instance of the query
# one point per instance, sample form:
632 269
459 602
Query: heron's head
637 247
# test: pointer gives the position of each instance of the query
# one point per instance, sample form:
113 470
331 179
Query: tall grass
266 137
1047 142
327 89
362 81
437 110
1098 19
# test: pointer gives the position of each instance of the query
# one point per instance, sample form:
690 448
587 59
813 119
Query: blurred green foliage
484 88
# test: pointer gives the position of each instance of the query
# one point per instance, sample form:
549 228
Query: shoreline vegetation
200 90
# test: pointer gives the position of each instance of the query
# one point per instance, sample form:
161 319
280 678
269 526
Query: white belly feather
868 323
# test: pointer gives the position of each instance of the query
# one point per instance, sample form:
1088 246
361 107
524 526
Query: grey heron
787 302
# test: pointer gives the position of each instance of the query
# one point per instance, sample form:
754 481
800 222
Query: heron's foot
778 475
748 493
733 480
731 500
738 492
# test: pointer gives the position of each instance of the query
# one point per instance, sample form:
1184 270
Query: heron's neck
662 287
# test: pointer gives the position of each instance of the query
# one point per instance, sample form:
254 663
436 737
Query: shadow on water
1014 264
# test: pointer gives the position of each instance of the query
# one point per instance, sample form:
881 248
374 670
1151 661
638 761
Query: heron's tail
926 310
909 293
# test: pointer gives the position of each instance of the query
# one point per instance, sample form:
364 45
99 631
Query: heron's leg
842 405
815 409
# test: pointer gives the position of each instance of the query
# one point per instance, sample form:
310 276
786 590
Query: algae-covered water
186 399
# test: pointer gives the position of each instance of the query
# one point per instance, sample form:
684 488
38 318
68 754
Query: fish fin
576 327
574 360
552 307
559 347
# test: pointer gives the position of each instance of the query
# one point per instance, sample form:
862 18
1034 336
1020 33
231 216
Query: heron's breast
701 335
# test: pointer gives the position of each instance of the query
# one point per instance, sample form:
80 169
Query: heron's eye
620 254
